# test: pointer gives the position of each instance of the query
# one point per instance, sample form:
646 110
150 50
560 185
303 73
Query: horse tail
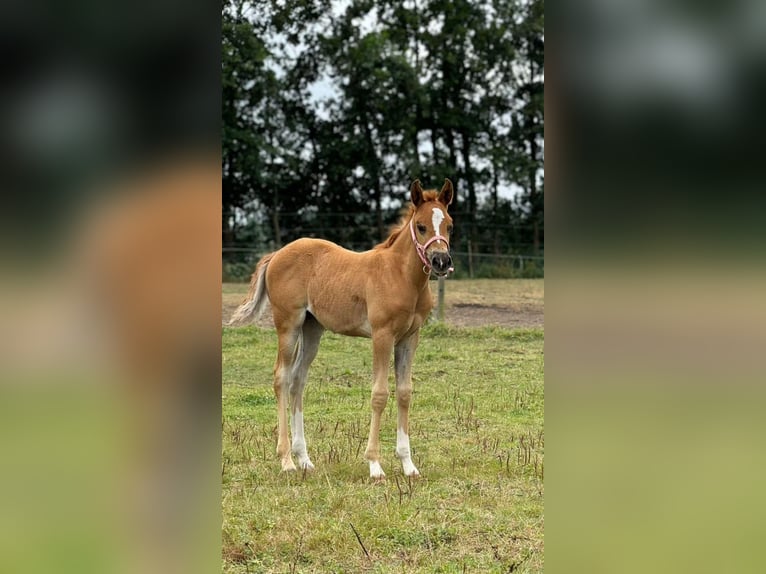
254 303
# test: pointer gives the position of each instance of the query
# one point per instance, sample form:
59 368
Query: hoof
409 469
306 464
288 466
376 472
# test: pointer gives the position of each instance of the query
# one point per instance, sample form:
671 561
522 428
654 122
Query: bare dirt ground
514 303
473 315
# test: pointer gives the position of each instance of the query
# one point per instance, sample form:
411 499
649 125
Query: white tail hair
257 297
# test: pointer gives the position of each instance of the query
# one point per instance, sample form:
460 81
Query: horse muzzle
441 262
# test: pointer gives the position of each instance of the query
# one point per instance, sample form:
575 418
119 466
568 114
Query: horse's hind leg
403 355
288 333
311 333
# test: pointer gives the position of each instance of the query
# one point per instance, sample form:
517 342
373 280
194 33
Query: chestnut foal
383 294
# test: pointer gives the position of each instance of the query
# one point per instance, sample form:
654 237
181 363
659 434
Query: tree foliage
330 109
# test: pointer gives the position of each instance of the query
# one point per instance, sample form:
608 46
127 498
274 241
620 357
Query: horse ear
446 194
416 193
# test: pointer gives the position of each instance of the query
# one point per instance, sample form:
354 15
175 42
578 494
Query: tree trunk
379 211
418 109
469 179
495 217
434 143
227 231
450 136
533 153
415 153
226 227
377 192
275 220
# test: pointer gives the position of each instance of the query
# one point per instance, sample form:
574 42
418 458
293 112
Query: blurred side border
654 311
110 265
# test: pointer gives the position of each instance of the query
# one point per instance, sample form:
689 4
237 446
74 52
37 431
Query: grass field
477 438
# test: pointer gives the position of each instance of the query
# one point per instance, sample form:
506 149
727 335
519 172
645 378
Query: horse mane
407 214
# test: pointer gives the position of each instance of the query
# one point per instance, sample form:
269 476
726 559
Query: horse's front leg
403 355
382 344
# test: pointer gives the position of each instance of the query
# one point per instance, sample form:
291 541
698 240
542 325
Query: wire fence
239 264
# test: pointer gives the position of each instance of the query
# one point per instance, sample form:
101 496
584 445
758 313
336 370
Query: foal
382 294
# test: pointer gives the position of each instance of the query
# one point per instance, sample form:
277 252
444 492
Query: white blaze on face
437 219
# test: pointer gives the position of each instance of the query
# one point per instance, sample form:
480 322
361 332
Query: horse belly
354 325
363 330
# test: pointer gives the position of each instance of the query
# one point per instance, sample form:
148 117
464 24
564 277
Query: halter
421 249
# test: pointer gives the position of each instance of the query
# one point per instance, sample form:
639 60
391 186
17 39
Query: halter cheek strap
421 249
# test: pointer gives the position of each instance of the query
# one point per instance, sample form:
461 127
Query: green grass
476 426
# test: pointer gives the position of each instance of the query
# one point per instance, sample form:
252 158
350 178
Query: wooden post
440 311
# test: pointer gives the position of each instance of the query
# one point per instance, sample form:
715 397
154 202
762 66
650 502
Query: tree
246 84
528 119
417 88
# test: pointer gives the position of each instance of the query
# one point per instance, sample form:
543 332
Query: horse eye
421 228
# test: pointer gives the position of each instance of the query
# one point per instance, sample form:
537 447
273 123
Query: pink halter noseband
421 249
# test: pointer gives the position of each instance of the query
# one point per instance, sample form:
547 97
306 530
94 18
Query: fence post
440 312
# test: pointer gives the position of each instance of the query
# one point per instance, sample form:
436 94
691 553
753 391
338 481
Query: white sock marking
375 470
403 452
299 441
402 444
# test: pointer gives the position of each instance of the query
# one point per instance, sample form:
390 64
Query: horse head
427 225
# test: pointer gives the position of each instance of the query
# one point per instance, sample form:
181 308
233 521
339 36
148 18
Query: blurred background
656 319
109 249
332 108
